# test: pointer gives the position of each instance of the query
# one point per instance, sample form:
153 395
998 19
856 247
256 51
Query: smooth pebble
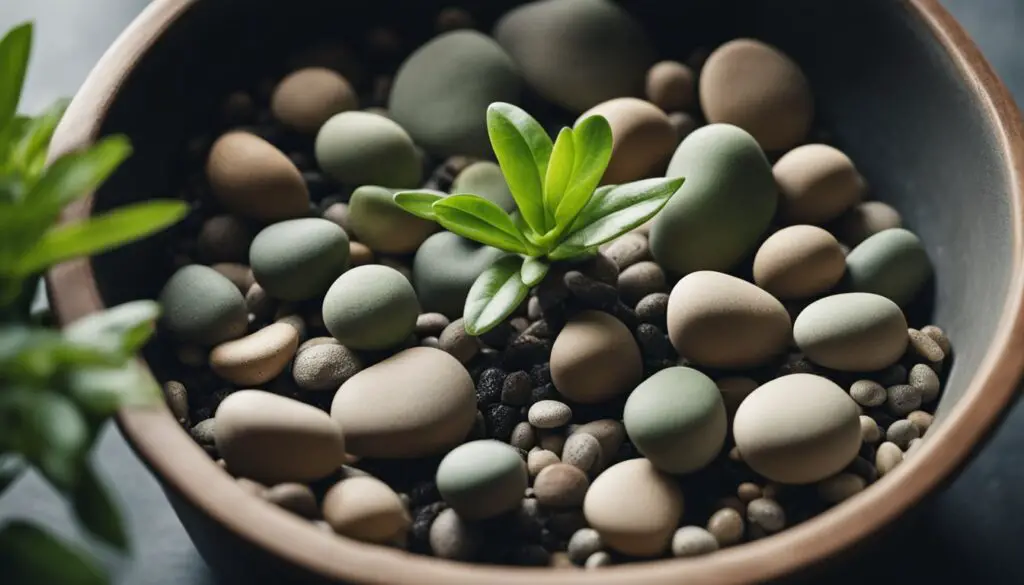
366 509
817 183
482 479
672 86
359 148
892 263
887 457
299 259
370 307
594 358
799 262
324 364
766 514
693 541
865 220
901 433
456 341
727 527
868 393
378 222
584 543
840 487
221 316
452 538
256 358
252 178
582 450
560 485
538 459
307 98
642 138
852 332
297 498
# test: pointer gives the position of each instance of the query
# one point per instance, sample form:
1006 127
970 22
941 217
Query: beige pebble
553 441
338 214
627 250
324 364
595 358
176 397
902 399
256 358
887 457
642 137
452 538
294 497
922 420
684 124
598 560
902 432
727 526
865 220
584 543
869 430
537 459
671 86
431 324
693 541
252 178
560 485
767 515
840 487
634 507
273 439
868 393
817 183
582 450
240 275
458 343
799 262
365 508
748 492
640 280
926 381
926 347
359 254
549 414
939 336
523 436
307 98
609 433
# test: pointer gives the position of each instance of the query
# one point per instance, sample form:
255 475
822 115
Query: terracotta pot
903 89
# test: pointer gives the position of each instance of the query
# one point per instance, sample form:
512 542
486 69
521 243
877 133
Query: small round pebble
359 254
671 86
868 393
901 433
939 336
224 238
324 364
203 432
584 543
747 492
926 381
294 497
653 309
371 307
307 98
869 430
840 487
922 420
583 451
887 457
627 250
692 541
902 399
598 560
452 538
431 324
925 347
549 414
523 436
457 342
516 389
766 514
365 508
561 486
640 280
176 397
726 525
540 458
482 479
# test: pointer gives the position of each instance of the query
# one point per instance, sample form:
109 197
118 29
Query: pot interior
887 94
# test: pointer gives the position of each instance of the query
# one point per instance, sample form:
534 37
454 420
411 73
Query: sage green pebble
377 221
482 479
852 332
892 263
220 316
298 259
484 178
358 148
441 92
577 53
798 429
720 213
677 419
444 269
371 307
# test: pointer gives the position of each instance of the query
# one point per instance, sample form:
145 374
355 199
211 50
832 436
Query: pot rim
184 467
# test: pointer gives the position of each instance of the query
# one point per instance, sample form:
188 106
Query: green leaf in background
102 391
77 174
517 145
494 295
559 172
28 153
480 220
100 233
615 212
592 140
418 203
38 354
122 329
11 468
14 53
96 510
58 436
534 270
32 556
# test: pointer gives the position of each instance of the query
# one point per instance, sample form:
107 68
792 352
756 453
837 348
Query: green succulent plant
561 212
58 388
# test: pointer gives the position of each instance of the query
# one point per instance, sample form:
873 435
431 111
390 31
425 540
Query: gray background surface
973 529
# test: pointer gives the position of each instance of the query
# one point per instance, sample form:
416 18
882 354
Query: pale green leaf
31 556
592 141
533 133
418 203
494 295
96 510
29 152
559 172
53 435
103 391
122 329
518 155
15 49
76 174
479 220
534 270
616 212
11 467
101 233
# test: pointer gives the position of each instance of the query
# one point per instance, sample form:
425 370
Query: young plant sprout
561 212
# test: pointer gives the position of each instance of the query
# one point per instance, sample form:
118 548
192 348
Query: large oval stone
377 221
677 419
721 321
852 332
798 429
219 317
642 138
577 53
359 148
892 263
444 269
272 439
594 358
252 178
441 92
418 402
371 307
719 214
299 259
